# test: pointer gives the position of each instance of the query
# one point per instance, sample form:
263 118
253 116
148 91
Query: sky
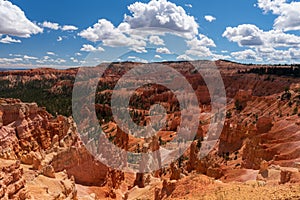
67 33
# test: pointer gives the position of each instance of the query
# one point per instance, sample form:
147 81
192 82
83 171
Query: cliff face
257 130
30 134
79 163
33 128
51 157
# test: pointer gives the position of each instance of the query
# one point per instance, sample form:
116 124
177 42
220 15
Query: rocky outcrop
166 190
44 187
49 171
193 156
20 182
277 146
289 175
264 125
232 137
26 128
148 161
265 130
241 98
175 172
276 174
49 144
139 180
12 182
78 162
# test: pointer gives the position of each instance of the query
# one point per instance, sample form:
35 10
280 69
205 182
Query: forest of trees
39 91
293 70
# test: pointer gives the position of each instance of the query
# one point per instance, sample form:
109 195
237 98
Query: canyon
43 155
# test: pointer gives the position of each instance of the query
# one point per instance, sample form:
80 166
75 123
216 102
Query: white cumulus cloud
111 36
74 60
157 57
200 46
244 35
14 22
269 55
247 54
163 50
161 16
60 61
50 53
145 23
8 40
288 13
103 30
10 60
202 41
294 53
90 48
156 40
69 28
29 57
184 57
209 18
56 26
250 35
50 25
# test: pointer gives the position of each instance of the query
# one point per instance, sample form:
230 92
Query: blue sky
78 33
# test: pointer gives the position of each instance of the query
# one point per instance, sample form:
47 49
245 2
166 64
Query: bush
228 115
238 105
295 111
